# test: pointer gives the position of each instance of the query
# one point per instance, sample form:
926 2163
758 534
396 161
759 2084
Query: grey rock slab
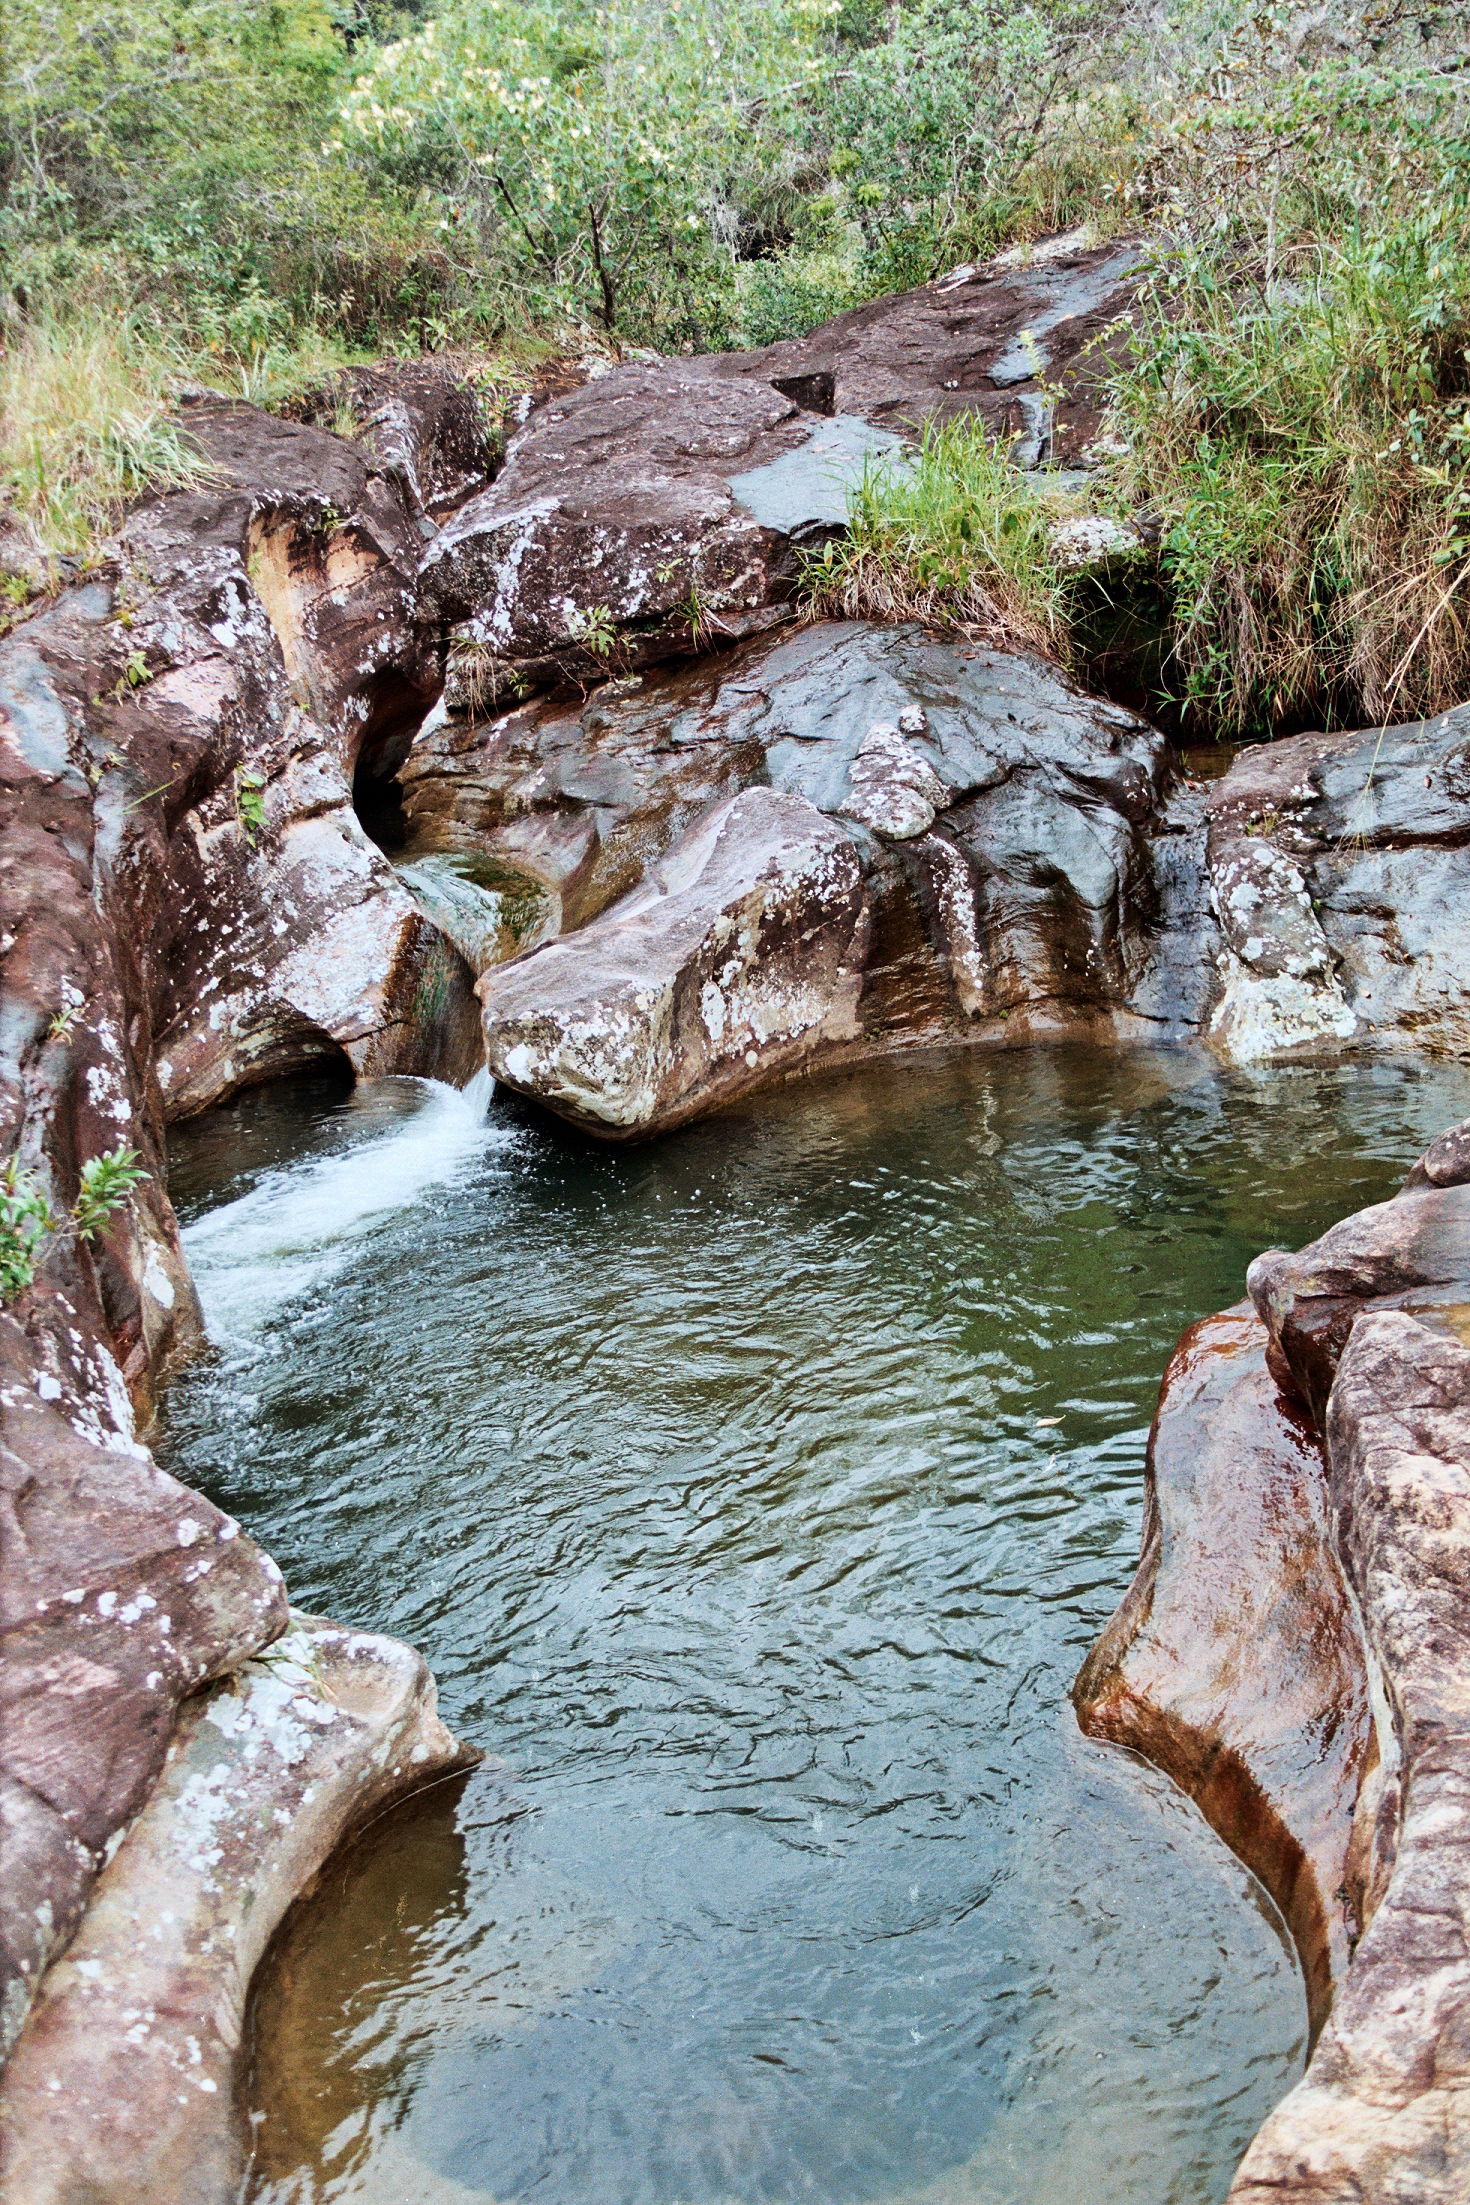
123 2089
1340 871
739 955
1051 874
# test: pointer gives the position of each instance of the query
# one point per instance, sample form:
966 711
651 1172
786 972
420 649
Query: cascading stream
754 1496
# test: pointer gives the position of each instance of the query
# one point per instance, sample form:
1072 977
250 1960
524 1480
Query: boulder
123 2088
1235 1662
1030 865
1340 873
740 955
657 508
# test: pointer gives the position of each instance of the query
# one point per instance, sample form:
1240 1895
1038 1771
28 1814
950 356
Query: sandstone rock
1383 2112
122 1591
739 955
1235 1662
1047 878
122 2088
1340 868
1410 1253
656 509
188 903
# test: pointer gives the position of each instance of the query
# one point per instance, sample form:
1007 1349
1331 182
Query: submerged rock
739 955
122 2088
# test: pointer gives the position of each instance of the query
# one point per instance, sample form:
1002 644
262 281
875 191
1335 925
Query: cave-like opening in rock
397 713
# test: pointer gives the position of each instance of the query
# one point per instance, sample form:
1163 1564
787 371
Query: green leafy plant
250 803
106 1183
28 1223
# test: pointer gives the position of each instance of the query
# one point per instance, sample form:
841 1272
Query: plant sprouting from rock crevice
30 1227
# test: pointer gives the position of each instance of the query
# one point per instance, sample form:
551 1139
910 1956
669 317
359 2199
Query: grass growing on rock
956 537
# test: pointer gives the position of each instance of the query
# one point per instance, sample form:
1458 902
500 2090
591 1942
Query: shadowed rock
741 954
122 2088
1235 1662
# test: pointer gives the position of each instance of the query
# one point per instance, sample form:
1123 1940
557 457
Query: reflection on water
755 1496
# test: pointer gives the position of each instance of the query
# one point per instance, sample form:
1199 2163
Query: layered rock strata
189 904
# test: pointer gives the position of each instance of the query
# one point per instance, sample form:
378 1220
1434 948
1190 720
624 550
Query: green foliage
106 1183
28 1222
1298 400
250 803
85 423
595 150
958 539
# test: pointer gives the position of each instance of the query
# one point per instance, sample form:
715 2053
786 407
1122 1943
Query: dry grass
85 424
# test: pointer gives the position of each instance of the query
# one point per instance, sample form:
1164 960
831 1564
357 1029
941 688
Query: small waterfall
299 1225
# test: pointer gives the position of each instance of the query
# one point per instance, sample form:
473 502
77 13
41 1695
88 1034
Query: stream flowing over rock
363 724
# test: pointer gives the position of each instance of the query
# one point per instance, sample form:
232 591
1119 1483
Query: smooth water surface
755 1496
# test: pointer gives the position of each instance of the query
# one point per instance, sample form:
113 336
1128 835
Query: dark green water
754 1497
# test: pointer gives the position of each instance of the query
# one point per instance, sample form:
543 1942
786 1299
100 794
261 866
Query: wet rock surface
1340 873
1021 840
189 905
741 954
1235 1662
123 2088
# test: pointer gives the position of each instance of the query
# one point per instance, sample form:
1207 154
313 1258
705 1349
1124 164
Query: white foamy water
298 1225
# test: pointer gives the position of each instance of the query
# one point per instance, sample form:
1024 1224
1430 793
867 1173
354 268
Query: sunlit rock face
739 955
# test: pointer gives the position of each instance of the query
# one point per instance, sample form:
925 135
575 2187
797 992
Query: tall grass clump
955 537
1297 401
86 423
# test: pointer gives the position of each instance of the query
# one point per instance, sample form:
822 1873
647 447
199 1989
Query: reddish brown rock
656 509
122 2089
1410 1253
188 904
1234 1662
1383 2112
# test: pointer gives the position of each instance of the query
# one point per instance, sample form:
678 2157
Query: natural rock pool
755 1496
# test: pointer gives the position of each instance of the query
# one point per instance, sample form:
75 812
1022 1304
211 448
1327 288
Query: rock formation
685 848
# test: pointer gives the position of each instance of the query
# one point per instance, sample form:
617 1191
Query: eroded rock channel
435 749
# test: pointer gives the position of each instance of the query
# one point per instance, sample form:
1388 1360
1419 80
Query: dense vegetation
246 192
